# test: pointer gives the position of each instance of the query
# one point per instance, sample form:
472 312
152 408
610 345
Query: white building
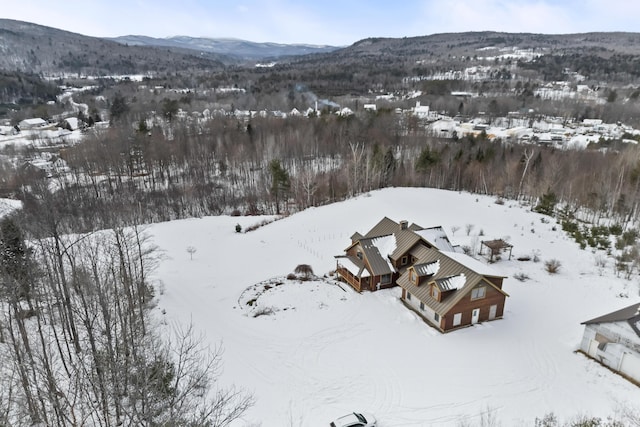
421 111
27 124
614 341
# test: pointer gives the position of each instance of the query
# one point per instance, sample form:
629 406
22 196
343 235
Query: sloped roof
627 313
376 251
385 227
427 269
437 237
451 283
406 238
451 265
354 265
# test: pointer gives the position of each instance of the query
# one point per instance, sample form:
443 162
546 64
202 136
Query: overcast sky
332 22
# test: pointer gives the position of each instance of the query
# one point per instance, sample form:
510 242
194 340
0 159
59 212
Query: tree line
128 174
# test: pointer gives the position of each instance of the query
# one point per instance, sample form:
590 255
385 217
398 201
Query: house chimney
404 224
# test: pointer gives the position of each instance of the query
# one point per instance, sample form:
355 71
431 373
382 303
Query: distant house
421 111
447 288
614 341
8 130
27 124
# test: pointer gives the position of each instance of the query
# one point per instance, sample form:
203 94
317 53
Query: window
408 296
434 292
385 279
421 306
412 275
403 260
478 292
436 316
359 255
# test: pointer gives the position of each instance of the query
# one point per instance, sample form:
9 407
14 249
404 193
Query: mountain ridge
234 47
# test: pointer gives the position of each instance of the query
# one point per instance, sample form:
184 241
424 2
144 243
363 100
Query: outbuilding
614 341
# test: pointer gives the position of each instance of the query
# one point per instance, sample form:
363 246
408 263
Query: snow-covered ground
327 350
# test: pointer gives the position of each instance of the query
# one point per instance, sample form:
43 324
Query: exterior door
457 319
492 311
593 348
475 316
630 366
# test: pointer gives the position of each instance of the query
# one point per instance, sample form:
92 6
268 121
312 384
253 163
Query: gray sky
323 21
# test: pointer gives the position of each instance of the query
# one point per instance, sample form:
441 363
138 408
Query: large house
614 341
447 288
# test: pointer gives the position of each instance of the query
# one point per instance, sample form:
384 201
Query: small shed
495 248
614 341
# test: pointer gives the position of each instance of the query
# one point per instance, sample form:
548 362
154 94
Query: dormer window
404 260
478 293
359 255
413 277
435 293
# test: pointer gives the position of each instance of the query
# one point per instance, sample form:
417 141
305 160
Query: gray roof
627 313
385 227
450 283
377 261
437 237
406 238
427 268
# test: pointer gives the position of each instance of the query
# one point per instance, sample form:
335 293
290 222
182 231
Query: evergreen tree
119 107
279 182
14 259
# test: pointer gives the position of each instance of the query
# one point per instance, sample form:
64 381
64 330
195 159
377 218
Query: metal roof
627 313
385 227
378 262
437 237
451 283
426 269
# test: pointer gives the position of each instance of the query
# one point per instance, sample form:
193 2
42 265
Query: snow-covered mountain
241 49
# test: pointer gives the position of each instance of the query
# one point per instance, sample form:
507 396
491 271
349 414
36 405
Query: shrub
547 204
304 271
238 228
552 266
264 311
570 226
629 237
615 229
291 276
521 277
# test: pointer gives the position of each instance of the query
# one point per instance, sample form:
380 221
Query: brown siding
466 306
496 281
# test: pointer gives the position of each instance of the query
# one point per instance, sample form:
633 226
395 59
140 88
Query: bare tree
526 159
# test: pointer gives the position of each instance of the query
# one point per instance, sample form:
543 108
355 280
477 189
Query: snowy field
327 350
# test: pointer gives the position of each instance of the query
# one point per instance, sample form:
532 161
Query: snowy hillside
326 350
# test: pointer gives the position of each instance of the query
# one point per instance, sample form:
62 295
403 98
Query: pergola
495 247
